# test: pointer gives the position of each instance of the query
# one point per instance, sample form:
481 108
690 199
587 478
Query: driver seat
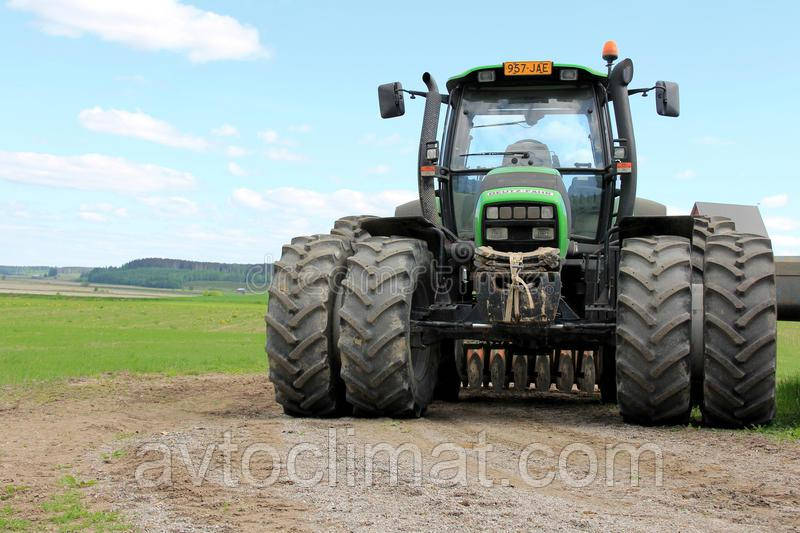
539 154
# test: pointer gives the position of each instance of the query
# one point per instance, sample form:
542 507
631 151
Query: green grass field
52 337
49 337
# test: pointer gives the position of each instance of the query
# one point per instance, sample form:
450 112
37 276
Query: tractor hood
511 190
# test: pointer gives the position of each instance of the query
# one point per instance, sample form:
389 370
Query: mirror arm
642 91
445 98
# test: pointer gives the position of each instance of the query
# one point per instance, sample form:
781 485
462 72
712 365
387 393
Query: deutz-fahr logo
544 192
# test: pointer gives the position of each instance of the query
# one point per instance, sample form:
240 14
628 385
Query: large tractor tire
386 368
704 227
301 349
350 227
740 331
654 306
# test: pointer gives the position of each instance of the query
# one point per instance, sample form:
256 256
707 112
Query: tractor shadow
486 405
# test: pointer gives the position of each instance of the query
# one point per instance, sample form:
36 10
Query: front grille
514 217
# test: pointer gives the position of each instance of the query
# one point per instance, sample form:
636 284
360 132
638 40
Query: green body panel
517 170
466 73
523 194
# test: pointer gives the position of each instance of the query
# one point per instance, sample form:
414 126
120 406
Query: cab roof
472 74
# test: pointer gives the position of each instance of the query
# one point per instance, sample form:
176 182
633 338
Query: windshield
519 126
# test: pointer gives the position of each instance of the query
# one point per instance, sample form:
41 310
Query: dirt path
106 429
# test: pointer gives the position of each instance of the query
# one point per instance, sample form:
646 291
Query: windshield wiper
515 123
523 155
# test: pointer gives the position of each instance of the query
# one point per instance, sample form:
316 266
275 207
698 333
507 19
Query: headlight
544 234
496 234
505 213
568 74
519 212
547 211
491 213
533 212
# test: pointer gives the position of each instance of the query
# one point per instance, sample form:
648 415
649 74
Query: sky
216 131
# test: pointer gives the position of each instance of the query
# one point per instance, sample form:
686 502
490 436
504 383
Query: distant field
48 337
53 286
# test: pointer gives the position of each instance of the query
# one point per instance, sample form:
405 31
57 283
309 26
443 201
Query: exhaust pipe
618 81
430 123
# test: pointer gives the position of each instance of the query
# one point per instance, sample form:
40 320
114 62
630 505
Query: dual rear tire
386 367
654 335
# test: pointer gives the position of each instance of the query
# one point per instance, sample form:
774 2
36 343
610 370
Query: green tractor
528 263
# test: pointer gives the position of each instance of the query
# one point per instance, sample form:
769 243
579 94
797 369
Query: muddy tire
303 357
386 369
350 227
448 383
654 305
704 227
740 331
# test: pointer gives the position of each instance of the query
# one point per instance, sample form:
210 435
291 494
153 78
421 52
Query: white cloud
778 200
226 130
786 244
90 172
379 169
685 174
248 198
300 128
236 170
293 202
172 205
710 140
151 25
268 136
283 154
102 212
91 216
781 223
235 151
139 125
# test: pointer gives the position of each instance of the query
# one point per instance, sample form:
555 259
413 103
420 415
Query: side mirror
668 102
390 100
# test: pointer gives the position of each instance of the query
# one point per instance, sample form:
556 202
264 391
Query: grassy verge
50 337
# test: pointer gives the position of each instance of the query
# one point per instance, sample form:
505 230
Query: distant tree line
177 273
40 271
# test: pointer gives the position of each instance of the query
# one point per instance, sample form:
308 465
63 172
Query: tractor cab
528 140
507 131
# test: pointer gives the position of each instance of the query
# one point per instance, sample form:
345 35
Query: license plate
528 68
